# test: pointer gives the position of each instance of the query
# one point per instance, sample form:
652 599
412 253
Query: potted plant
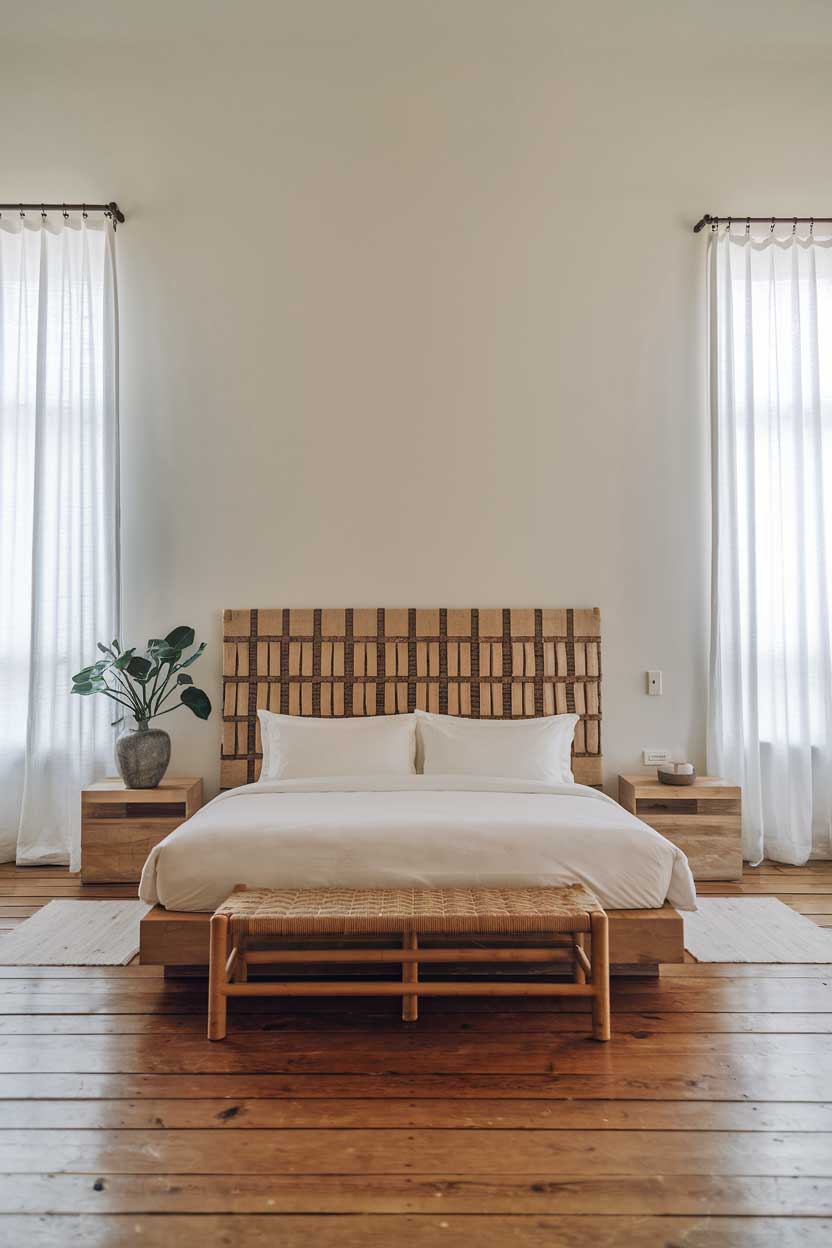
144 685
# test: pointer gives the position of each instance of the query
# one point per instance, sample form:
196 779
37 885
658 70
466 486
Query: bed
427 831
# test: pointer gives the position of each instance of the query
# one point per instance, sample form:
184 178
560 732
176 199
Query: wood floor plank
468 1112
784 886
453 1231
193 1023
810 905
131 972
740 1085
802 1054
746 970
48 891
419 1151
118 996
567 1194
365 1046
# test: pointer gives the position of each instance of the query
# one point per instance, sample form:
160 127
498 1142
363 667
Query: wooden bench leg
217 1000
601 977
580 943
241 966
410 975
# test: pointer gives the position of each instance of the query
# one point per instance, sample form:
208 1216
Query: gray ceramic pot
142 756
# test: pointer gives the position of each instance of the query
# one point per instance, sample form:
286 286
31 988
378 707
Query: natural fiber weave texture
479 663
364 911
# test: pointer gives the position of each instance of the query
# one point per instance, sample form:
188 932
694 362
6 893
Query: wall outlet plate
650 758
654 684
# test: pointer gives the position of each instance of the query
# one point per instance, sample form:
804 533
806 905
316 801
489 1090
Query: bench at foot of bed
565 923
639 940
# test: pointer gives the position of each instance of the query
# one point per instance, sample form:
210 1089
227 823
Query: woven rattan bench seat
366 911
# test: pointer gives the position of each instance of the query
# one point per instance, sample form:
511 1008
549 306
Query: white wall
411 310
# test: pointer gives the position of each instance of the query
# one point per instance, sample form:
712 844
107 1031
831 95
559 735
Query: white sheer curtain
770 716
59 573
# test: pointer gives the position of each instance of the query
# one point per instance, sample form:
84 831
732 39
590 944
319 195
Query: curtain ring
811 226
43 214
714 225
84 212
64 212
728 225
747 226
772 225
22 213
794 227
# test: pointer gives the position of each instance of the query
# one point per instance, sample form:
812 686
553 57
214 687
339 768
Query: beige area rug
76 933
754 929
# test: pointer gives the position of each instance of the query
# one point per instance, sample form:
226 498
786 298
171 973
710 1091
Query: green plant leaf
124 658
105 649
180 638
92 673
164 653
197 701
192 658
115 645
139 668
85 688
184 679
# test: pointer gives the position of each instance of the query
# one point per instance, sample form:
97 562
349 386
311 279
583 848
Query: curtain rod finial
700 225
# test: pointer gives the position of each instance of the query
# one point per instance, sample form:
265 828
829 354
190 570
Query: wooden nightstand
702 818
120 826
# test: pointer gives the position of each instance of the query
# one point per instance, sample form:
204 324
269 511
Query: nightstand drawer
117 852
648 806
674 825
711 857
711 842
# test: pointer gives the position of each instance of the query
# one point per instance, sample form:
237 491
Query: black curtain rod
772 221
112 209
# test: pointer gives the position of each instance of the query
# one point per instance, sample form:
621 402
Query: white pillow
523 749
296 747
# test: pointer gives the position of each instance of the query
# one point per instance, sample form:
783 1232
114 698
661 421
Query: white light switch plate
650 758
654 684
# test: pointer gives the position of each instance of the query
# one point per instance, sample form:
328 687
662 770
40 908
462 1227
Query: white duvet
416 831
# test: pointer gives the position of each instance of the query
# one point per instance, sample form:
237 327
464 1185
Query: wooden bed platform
639 939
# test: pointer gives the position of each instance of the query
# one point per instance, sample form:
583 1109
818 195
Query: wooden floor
706 1121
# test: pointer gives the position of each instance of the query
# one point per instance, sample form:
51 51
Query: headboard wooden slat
482 663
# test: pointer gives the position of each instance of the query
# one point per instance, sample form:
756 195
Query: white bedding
417 831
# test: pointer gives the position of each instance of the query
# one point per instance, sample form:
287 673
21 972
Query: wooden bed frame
481 663
639 940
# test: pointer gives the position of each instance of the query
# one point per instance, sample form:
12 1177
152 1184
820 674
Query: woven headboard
496 663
